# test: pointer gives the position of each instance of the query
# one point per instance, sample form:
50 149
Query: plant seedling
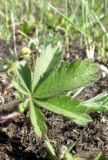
67 155
65 151
46 86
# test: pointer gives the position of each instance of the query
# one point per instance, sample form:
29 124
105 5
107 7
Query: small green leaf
63 105
17 95
25 27
48 58
69 77
23 105
50 148
97 103
24 74
37 119
69 156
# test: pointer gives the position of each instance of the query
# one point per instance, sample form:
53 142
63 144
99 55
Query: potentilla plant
46 84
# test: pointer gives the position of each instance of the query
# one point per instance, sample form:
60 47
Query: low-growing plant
46 84
65 153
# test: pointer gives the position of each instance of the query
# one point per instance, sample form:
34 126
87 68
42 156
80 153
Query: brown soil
18 141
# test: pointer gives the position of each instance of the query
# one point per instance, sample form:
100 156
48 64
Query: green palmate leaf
49 58
24 74
37 119
68 77
67 107
97 103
